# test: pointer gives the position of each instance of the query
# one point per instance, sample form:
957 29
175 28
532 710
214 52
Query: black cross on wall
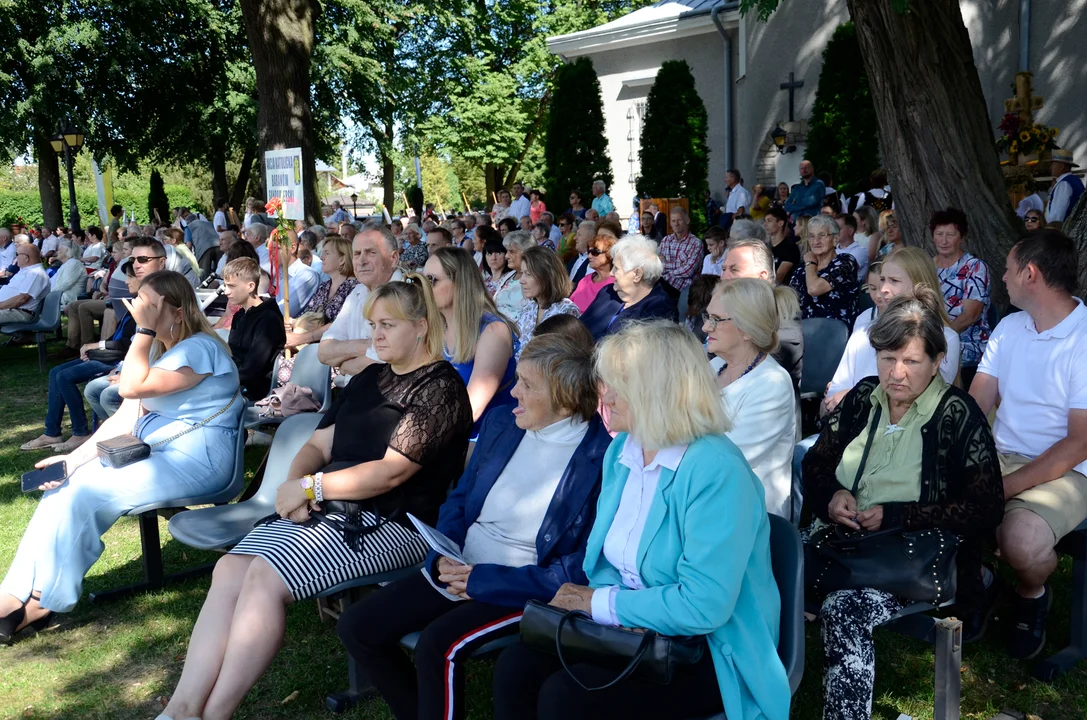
792 86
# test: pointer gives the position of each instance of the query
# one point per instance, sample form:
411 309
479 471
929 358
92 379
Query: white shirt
865 319
304 281
519 208
578 262
762 408
1059 198
221 265
860 254
711 267
859 360
625 534
1040 376
738 197
7 256
31 280
513 512
555 235
264 259
350 324
220 221
50 244
95 250
69 279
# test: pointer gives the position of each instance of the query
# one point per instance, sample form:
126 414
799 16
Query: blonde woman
741 325
479 341
508 296
391 444
892 235
328 300
177 373
672 477
546 287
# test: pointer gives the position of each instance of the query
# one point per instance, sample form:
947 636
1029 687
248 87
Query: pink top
535 210
587 291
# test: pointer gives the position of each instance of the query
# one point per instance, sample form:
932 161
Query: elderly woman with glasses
636 293
964 280
600 263
826 282
508 295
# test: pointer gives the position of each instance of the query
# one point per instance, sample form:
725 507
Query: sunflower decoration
1024 137
1013 148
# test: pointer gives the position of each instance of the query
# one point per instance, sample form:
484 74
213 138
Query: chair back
50 315
824 345
224 334
290 436
787 559
310 372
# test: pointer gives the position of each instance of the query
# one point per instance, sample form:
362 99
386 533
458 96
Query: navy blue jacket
605 315
560 542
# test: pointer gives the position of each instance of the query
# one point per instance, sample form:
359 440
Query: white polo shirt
32 281
1040 376
350 324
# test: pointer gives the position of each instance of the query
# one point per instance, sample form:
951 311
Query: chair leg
1056 665
41 352
948 669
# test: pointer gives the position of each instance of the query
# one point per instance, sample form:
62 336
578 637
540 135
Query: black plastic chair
824 345
1052 667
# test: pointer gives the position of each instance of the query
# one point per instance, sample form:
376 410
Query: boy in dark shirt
257 335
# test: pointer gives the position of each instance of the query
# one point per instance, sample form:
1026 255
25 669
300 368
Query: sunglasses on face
596 252
144 259
1033 219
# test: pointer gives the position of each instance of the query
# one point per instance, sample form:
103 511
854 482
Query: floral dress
322 303
968 279
840 302
527 320
414 256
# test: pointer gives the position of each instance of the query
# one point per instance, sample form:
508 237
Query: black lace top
961 487
424 415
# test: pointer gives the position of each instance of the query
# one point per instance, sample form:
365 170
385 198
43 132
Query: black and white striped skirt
313 558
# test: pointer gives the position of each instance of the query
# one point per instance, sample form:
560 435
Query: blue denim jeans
64 383
103 397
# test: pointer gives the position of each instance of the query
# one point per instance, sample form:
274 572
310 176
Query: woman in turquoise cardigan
680 545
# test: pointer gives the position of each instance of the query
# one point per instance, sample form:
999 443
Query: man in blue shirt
806 198
601 202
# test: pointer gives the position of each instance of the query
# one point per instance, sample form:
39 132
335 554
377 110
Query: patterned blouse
841 301
321 302
527 321
968 279
414 257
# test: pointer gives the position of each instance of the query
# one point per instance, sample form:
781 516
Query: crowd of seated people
619 462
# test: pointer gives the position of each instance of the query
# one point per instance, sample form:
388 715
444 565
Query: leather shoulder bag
917 565
575 638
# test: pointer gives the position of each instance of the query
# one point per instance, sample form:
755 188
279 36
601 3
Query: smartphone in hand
50 473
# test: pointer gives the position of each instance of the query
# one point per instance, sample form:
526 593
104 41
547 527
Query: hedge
26 204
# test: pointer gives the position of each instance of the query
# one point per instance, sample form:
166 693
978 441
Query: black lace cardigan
961 487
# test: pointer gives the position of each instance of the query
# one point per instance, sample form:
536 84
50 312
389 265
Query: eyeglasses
1032 219
821 236
713 321
144 259
595 252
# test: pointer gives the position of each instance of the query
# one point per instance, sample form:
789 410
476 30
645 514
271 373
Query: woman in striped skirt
391 444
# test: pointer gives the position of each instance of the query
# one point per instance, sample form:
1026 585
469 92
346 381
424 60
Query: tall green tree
674 156
843 137
575 148
157 198
917 55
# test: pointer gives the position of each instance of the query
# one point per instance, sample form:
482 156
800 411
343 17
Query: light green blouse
893 470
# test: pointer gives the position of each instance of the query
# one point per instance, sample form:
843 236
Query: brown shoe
72 443
42 442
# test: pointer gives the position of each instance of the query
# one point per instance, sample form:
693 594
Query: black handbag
575 638
917 565
106 355
117 452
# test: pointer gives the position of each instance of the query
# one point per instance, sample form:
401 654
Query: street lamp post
67 143
354 205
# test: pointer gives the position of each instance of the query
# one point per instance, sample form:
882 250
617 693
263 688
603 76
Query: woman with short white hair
741 325
70 277
827 281
680 545
509 297
636 293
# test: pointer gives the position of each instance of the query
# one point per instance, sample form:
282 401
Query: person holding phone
176 375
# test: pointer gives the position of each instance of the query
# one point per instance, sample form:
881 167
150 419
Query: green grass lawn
121 659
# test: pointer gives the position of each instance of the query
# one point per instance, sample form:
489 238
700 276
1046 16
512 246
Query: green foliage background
843 137
575 148
674 156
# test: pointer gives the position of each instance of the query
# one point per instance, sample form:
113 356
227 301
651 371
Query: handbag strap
643 648
189 429
867 447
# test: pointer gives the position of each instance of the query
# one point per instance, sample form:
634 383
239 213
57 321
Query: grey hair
916 314
548 214
760 251
5 232
21 238
603 185
68 246
678 209
319 230
413 229
309 239
635 252
825 222
258 230
744 229
589 224
391 243
519 239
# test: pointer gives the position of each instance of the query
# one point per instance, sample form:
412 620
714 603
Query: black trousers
434 687
208 261
530 684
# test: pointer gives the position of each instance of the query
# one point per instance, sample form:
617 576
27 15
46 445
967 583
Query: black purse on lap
575 638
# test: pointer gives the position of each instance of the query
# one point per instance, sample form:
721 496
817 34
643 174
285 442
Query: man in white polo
20 297
346 344
1035 366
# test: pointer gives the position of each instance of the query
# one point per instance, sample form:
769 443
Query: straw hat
1063 156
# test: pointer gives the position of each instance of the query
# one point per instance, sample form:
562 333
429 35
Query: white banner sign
283 179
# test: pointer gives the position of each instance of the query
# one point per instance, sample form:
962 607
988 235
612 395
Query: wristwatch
145 331
306 481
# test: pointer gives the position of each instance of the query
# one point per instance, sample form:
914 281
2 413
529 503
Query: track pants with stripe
433 688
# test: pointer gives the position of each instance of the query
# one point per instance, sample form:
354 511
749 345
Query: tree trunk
48 182
388 182
237 194
934 128
217 162
1076 227
281 38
